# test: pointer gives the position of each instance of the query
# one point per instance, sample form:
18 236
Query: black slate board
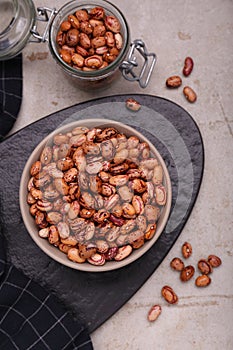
94 297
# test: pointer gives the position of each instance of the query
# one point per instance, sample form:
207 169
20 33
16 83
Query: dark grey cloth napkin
11 84
31 318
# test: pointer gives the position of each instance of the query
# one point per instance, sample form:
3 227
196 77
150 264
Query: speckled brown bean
132 104
61 38
173 82
74 21
97 260
35 168
169 295
123 252
86 28
161 195
98 41
187 273
66 56
214 260
66 25
99 30
177 264
85 251
150 231
73 255
110 40
84 41
81 51
78 60
112 24
203 281
94 61
186 250
188 66
60 139
53 237
204 266
190 94
46 155
97 13
154 313
72 37
82 15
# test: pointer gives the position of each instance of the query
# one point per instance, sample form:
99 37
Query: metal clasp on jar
45 14
129 66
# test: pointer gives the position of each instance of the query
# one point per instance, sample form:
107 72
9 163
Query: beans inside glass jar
89 39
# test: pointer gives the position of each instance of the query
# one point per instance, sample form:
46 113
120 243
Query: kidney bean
123 252
214 260
190 94
203 281
204 266
154 313
188 66
97 13
73 254
72 37
97 259
132 104
186 250
169 295
173 82
177 264
82 15
187 273
73 21
112 24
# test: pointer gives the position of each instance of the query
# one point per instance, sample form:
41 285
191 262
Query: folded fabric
32 318
10 93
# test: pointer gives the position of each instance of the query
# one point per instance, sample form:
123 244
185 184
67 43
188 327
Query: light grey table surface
203 30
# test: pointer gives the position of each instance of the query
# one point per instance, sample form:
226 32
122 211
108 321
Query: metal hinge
129 66
45 14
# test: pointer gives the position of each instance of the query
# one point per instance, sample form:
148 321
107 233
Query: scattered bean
132 104
188 66
204 266
203 281
214 260
173 82
190 94
177 264
154 313
186 250
187 273
169 295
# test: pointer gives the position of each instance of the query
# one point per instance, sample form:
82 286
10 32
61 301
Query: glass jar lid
17 18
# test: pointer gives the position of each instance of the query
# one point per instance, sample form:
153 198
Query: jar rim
12 21
15 36
76 4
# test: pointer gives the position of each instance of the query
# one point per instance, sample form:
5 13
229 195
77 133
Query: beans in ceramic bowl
95 195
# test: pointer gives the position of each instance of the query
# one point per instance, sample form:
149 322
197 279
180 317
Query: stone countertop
173 29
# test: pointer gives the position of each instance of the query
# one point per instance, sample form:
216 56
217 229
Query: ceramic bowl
53 251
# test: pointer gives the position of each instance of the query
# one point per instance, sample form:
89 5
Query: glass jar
17 19
96 77
20 27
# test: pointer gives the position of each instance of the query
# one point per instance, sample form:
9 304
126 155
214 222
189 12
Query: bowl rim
54 252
